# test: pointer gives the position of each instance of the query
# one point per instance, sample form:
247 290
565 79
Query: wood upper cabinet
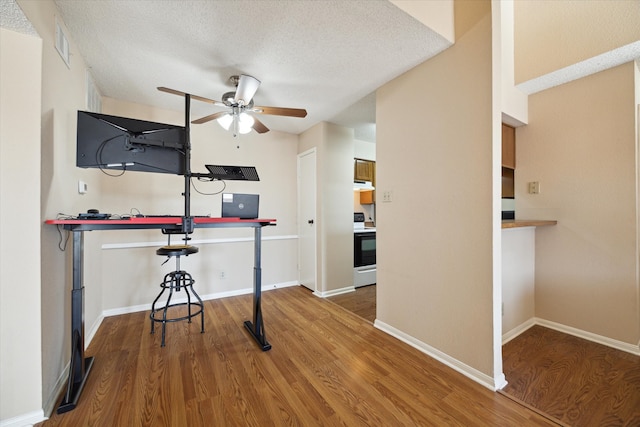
367 197
508 147
364 170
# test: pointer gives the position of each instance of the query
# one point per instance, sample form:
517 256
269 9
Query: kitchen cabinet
508 147
364 170
508 183
366 197
508 161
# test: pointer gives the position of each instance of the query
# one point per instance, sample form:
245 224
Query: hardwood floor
574 381
578 382
362 302
327 367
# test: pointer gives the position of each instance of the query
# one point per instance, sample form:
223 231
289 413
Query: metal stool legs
175 281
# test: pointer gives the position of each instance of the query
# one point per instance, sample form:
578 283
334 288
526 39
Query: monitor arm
134 142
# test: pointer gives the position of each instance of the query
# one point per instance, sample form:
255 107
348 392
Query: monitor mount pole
187 220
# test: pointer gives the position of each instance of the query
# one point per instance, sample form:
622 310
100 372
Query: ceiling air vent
62 44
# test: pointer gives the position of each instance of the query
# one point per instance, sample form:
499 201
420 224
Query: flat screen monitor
120 143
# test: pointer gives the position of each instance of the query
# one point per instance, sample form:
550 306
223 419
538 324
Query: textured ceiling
581 69
326 56
12 18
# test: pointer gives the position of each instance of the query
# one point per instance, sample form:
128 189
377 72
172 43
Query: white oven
364 252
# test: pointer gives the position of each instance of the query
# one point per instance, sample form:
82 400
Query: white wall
518 278
20 328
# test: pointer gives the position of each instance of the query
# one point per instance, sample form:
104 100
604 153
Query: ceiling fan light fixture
225 121
245 123
247 87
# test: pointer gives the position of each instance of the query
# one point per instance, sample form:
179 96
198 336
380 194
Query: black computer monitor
120 143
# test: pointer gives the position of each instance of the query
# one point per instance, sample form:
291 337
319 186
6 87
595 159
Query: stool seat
176 250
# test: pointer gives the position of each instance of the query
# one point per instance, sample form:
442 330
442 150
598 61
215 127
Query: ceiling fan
238 104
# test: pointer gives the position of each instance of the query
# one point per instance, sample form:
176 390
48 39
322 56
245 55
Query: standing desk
80 366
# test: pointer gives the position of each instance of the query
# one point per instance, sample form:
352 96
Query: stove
358 221
364 254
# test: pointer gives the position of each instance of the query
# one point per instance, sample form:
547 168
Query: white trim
508 336
609 342
334 292
589 336
464 369
56 391
217 295
128 245
28 419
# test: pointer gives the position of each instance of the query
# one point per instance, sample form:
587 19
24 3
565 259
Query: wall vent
62 44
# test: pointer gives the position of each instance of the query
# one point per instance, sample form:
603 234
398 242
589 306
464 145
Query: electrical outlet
387 196
223 275
82 187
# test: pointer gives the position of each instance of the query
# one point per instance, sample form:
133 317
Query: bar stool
175 281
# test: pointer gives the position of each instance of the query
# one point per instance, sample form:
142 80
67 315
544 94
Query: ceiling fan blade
258 126
210 117
280 111
247 87
197 97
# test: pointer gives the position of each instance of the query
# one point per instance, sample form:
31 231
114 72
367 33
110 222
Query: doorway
307 235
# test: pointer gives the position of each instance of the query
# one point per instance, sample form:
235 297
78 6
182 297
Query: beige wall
63 92
580 145
334 156
514 103
435 264
551 35
230 250
20 327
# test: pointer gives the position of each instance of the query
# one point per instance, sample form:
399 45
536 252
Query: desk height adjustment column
79 366
257 328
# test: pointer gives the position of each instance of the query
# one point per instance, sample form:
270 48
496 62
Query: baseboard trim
28 419
334 292
569 330
466 370
513 333
590 336
206 297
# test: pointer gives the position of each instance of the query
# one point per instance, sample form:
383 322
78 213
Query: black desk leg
257 328
79 367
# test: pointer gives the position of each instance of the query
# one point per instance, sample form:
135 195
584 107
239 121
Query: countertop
515 223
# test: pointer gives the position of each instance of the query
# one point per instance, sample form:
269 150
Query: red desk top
158 220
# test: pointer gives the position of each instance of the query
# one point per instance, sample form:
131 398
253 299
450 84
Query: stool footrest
175 281
162 311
